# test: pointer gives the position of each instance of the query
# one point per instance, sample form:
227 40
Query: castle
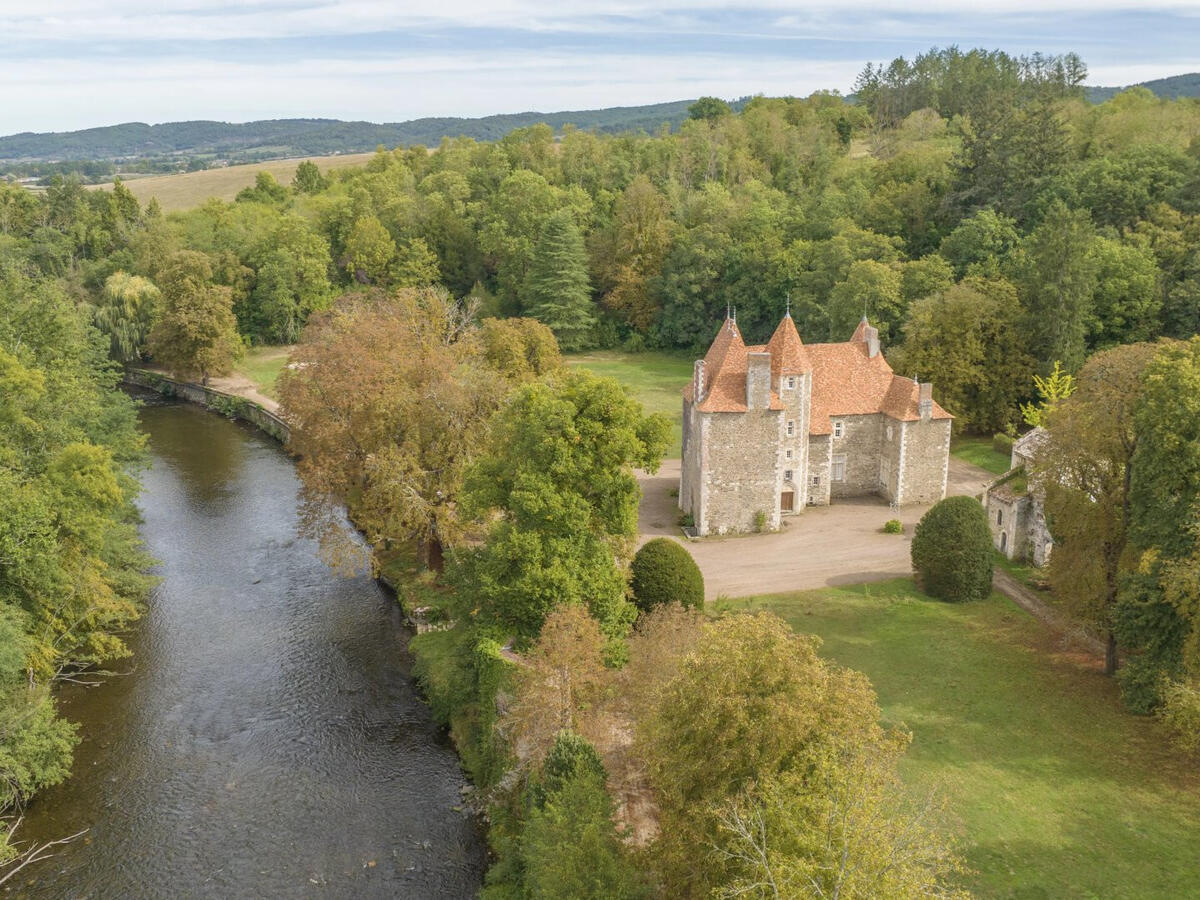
770 429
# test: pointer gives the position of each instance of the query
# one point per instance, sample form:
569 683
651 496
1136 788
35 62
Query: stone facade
771 429
1014 507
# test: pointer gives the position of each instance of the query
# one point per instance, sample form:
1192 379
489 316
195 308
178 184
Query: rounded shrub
952 550
664 572
893 526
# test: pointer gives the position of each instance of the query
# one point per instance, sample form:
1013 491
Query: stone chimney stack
925 401
872 341
758 380
698 380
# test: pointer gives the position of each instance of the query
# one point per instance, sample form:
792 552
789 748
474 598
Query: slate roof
846 380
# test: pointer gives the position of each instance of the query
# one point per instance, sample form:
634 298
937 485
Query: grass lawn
262 365
1059 792
979 452
655 379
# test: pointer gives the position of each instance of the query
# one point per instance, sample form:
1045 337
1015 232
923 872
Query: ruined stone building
770 429
1014 506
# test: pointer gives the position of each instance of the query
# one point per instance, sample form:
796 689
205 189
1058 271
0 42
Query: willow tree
125 313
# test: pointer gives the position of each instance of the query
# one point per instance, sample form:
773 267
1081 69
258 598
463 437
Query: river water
267 740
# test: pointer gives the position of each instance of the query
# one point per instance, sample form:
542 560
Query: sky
69 64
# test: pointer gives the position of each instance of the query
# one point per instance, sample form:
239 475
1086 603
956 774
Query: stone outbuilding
1014 507
773 428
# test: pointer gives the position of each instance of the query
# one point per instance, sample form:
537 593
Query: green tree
707 108
872 289
1056 277
557 485
664 572
127 308
369 252
1084 468
1053 390
1127 302
952 550
968 341
196 333
557 292
981 244
308 178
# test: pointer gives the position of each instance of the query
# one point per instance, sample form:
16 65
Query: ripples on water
267 741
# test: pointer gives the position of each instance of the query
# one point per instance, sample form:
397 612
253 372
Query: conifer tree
557 292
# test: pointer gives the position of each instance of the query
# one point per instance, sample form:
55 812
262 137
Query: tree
1053 390
708 108
369 252
952 551
308 178
872 289
751 703
394 395
664 572
981 244
557 292
126 311
1056 277
1084 468
557 487
967 340
1127 302
1155 609
520 349
197 332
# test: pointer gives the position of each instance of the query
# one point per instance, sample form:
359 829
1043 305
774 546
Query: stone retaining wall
230 405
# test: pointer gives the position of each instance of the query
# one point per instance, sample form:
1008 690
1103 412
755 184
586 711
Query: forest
1003 233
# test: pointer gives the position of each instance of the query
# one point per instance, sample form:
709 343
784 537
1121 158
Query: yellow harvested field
176 192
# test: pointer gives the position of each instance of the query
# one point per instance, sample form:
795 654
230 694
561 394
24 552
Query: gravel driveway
824 545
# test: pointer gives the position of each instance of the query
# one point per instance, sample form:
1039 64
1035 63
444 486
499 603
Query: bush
893 526
1181 714
1002 443
664 572
952 550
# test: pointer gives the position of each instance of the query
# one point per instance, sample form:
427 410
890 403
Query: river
265 739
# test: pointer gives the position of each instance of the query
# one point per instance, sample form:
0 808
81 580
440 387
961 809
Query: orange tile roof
846 380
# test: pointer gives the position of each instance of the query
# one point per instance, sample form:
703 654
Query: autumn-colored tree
196 333
390 395
1084 467
1052 390
520 349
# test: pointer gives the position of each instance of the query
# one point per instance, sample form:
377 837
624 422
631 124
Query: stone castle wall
743 474
926 458
860 446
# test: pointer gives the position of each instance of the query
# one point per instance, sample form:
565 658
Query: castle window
837 429
999 517
816 481
787 454
791 428
787 474
791 381
889 432
837 471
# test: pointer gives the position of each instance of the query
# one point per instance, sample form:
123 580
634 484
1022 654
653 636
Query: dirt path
241 386
1029 601
827 545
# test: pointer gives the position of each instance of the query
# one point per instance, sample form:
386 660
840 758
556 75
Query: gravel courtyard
828 545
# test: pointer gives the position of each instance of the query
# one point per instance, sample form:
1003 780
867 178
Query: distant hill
276 138
1172 88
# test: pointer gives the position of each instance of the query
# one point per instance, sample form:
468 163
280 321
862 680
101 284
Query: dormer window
838 428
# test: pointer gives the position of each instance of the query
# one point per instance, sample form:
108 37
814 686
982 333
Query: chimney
872 334
698 380
925 401
758 380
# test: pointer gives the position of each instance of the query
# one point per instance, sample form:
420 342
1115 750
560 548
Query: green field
262 366
979 452
655 379
1058 791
